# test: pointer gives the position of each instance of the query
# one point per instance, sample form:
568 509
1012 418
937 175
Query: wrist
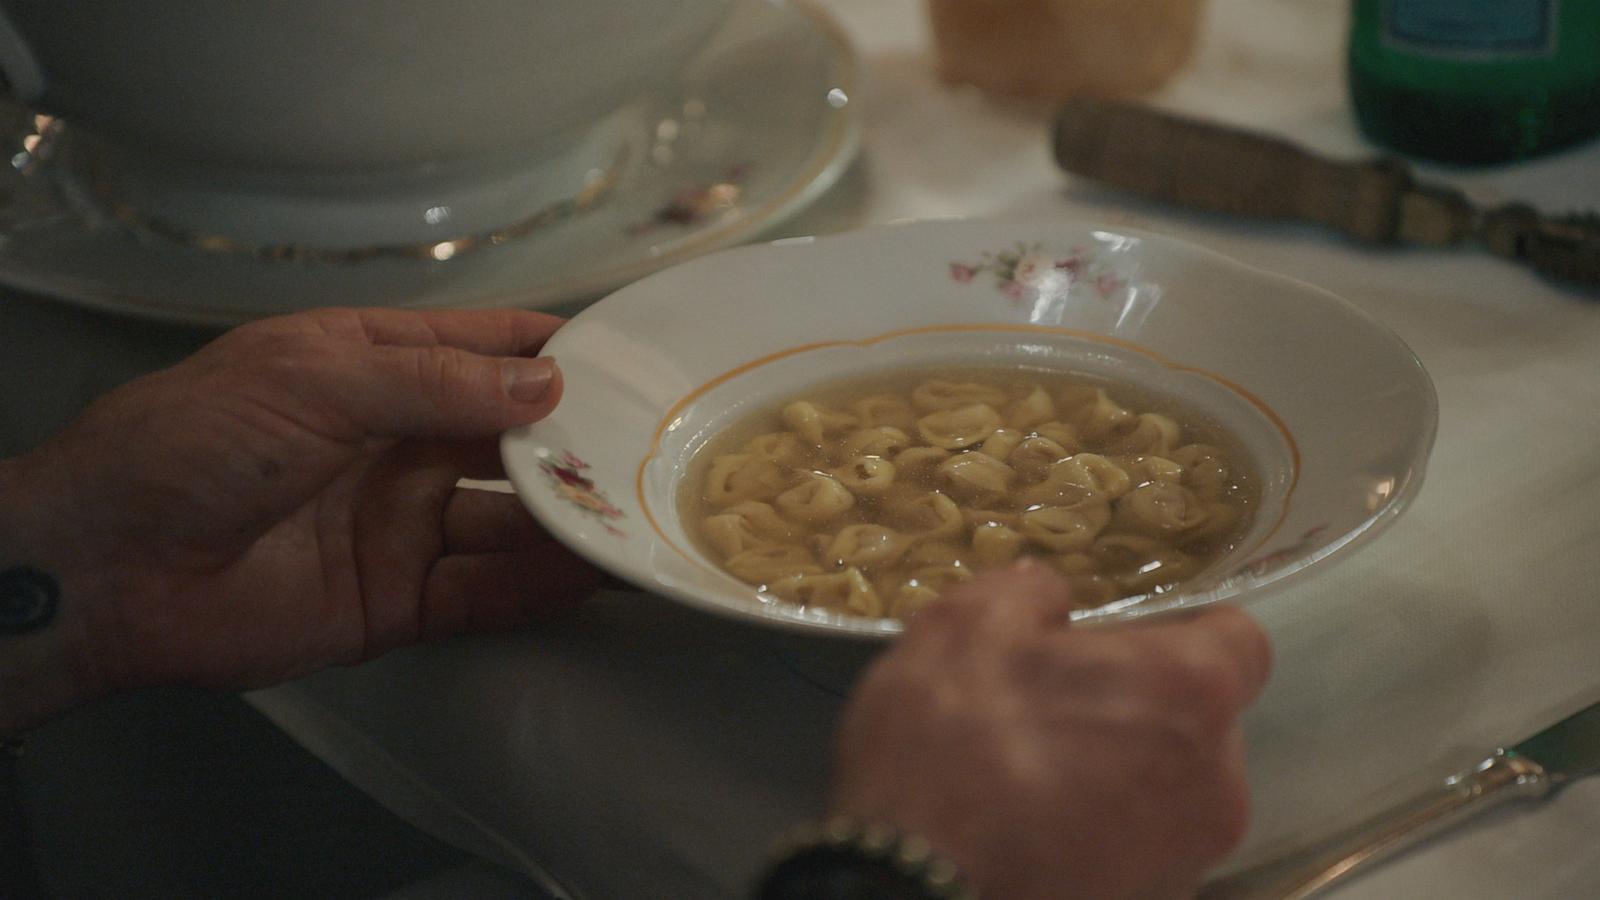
46 664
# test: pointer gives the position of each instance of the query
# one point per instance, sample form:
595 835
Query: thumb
442 392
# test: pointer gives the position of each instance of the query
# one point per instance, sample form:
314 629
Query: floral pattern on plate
1017 269
566 477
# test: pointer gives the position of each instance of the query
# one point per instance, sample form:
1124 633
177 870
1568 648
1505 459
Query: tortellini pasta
873 499
918 461
1061 433
816 499
880 440
848 590
765 565
1205 470
1142 469
1034 407
994 543
1093 472
975 475
1148 433
731 535
1062 528
815 423
959 428
865 545
1001 442
937 554
738 477
1034 456
866 475
885 410
1095 415
1161 509
762 519
932 515
782 447
746 526
1139 564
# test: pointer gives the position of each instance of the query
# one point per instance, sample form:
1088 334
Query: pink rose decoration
1030 265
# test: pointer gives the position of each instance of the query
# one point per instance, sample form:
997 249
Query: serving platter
756 127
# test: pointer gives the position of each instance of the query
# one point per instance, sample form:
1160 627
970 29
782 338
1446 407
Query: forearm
46 665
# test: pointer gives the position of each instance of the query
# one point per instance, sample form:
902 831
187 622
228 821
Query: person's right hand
1049 761
285 499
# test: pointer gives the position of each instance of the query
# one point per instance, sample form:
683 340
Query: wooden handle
1198 164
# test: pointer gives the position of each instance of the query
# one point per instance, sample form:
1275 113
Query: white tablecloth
644 751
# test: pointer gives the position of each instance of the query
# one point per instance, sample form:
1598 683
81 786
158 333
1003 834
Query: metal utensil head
1567 749
1567 248
1563 247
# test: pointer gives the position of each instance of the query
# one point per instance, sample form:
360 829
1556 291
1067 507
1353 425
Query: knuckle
446 376
436 367
340 321
279 359
1205 690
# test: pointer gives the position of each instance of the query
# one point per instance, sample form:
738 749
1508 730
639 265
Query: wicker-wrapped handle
1203 165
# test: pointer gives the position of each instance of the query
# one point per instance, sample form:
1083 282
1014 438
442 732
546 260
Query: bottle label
1472 27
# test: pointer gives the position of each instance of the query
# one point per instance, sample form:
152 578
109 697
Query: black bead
28 599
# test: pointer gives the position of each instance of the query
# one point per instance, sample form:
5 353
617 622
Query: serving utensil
1533 767
1378 201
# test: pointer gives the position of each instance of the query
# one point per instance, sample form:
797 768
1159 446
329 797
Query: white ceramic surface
1337 413
757 126
401 100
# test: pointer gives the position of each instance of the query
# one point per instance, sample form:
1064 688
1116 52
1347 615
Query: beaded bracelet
845 859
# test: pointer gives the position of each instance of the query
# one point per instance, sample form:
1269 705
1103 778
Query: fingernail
528 380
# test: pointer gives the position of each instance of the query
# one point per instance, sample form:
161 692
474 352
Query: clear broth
770 515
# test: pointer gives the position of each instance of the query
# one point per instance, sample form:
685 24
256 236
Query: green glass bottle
1476 81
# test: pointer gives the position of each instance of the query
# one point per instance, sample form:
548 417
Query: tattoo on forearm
28 599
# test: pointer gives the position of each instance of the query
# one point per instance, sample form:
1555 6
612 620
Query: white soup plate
1336 413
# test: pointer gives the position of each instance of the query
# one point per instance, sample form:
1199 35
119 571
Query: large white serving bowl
1336 412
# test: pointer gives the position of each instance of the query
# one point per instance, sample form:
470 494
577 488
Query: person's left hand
287 498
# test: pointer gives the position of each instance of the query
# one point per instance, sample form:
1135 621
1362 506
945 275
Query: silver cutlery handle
1312 869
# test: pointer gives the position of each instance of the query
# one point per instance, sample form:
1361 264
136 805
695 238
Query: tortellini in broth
872 497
